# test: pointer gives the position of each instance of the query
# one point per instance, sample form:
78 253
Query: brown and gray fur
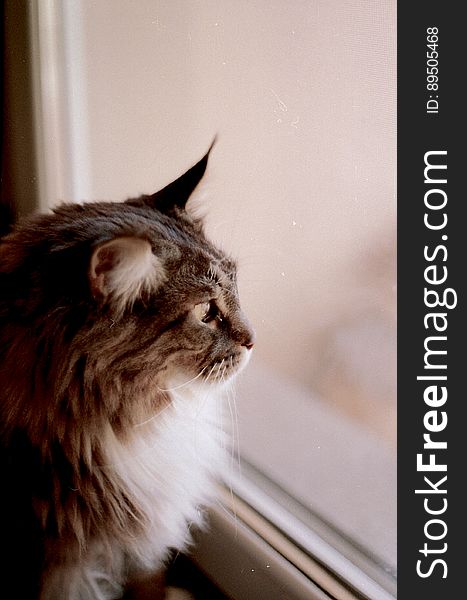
104 309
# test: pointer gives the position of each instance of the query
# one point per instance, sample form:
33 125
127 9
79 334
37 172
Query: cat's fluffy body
119 326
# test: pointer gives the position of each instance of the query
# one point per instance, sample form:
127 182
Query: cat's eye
206 312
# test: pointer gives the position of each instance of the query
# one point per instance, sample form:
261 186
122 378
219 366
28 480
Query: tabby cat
120 326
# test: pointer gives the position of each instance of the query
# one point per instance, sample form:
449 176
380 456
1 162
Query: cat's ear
176 194
122 269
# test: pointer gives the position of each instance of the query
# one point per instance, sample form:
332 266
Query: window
301 189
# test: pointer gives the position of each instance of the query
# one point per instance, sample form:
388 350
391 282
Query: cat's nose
249 341
242 332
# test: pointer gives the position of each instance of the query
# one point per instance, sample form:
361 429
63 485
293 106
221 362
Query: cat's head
103 299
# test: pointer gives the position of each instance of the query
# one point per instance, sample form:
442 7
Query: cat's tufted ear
122 269
177 193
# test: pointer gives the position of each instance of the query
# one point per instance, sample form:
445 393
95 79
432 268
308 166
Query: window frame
265 544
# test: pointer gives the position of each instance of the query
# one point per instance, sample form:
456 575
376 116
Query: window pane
301 189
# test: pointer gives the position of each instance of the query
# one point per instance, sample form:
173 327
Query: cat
120 325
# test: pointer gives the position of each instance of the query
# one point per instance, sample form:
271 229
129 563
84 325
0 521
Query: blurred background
300 190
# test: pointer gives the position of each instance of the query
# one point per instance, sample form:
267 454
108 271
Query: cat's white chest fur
169 466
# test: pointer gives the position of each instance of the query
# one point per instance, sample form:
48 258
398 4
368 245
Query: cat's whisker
220 504
155 416
231 421
232 450
223 373
219 370
177 387
210 372
228 292
236 432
